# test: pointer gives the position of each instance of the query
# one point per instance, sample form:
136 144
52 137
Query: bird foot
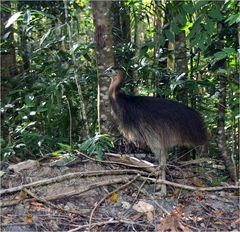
161 189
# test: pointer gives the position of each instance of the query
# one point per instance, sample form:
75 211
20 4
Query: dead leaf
6 219
28 219
200 196
237 221
2 173
173 224
177 211
21 196
219 212
36 203
150 216
143 207
197 182
114 197
37 206
136 217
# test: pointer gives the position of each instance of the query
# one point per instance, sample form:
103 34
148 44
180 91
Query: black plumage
155 122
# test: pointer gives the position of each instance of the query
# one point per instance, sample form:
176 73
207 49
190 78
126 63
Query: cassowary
155 122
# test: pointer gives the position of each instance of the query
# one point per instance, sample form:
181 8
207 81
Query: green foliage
66 147
42 107
36 115
98 144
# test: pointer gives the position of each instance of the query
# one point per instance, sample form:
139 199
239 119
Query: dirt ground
58 194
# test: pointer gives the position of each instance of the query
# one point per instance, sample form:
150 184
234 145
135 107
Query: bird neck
115 85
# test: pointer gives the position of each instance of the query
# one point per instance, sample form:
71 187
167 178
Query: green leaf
45 36
27 17
235 18
161 40
188 7
99 151
187 26
220 55
56 153
200 4
215 13
175 28
66 147
229 51
181 19
209 26
169 35
98 143
196 28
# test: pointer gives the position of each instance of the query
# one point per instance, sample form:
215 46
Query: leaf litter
67 205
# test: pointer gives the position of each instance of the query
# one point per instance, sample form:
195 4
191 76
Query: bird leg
162 176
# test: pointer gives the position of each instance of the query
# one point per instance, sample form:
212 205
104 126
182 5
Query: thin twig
40 199
141 186
75 68
102 224
70 121
108 195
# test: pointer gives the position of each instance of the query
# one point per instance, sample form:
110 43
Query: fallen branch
69 176
188 187
89 187
71 193
125 160
190 162
108 195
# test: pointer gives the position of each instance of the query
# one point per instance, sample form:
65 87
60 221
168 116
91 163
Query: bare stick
190 162
102 224
126 161
69 176
108 195
188 187
50 204
75 68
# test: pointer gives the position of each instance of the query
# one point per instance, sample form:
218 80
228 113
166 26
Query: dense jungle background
181 50
62 167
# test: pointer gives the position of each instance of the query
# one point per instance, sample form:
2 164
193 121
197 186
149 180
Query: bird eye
109 72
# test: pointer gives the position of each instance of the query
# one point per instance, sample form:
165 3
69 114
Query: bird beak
105 73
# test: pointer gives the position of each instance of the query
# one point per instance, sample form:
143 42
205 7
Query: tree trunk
8 63
125 23
105 59
181 64
7 57
221 137
170 44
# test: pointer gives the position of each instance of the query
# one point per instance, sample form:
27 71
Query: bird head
113 72
110 72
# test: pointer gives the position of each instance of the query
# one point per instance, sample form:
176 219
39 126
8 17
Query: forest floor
55 194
